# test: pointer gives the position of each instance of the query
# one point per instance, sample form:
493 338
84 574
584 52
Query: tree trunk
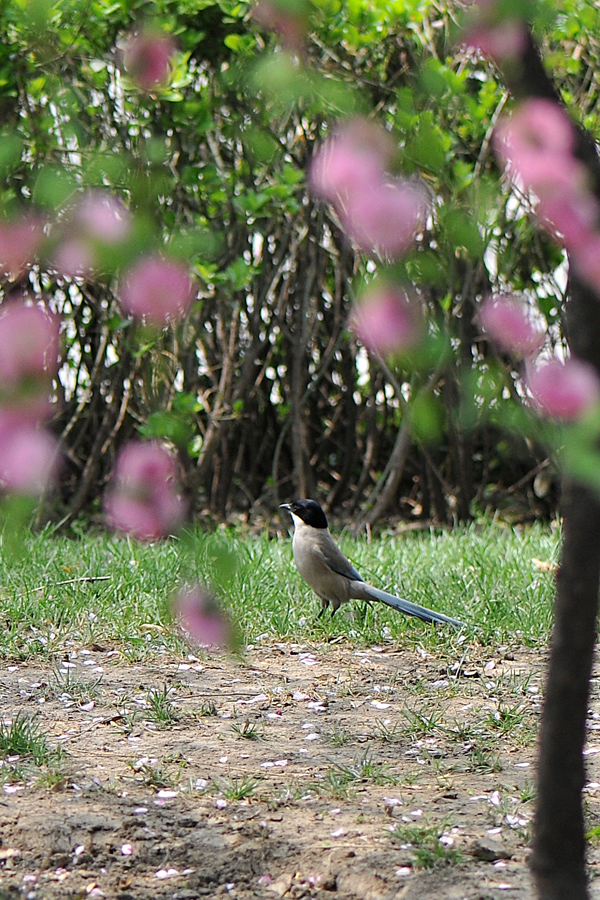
558 860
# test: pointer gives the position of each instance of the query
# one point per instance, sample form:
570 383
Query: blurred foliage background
262 389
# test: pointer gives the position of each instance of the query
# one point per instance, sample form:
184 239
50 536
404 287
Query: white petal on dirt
313 736
308 661
12 788
316 705
298 695
417 813
516 821
591 751
260 698
79 850
126 849
165 794
392 801
489 666
379 705
339 833
403 872
440 684
223 759
495 798
221 803
523 765
166 873
87 707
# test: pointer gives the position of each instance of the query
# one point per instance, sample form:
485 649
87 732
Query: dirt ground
299 771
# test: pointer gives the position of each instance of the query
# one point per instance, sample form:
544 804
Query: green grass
24 737
106 591
428 844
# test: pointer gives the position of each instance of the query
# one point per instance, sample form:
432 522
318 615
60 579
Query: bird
331 575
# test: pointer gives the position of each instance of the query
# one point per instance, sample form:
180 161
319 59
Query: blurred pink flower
570 217
384 218
355 157
563 390
29 456
103 217
385 320
537 142
288 19
147 58
20 240
74 257
156 289
585 258
202 618
507 323
502 41
29 344
380 213
496 30
143 497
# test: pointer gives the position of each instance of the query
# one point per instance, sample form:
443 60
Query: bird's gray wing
336 560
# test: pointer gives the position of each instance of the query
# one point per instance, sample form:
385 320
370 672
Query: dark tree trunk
558 860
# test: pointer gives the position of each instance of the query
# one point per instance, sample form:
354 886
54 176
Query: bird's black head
309 511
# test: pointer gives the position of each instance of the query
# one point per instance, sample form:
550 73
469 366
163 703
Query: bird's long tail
411 609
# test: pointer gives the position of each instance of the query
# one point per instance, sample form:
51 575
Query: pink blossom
29 456
537 141
502 41
19 243
157 289
385 320
585 258
570 217
563 390
147 58
202 618
289 20
28 343
74 257
103 217
354 158
507 323
143 498
384 218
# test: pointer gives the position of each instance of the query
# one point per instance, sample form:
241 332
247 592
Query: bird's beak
284 506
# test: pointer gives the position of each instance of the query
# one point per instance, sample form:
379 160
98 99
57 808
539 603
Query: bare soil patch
299 772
